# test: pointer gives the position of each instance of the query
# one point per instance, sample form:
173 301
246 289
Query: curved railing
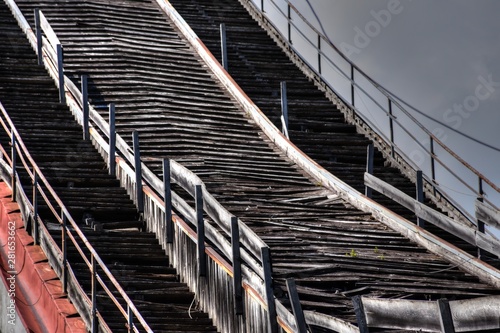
402 135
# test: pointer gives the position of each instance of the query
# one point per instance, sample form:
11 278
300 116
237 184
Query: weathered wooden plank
49 32
487 214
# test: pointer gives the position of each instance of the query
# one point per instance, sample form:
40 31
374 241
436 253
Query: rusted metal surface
160 88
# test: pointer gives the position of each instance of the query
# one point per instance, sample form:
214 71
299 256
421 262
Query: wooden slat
488 214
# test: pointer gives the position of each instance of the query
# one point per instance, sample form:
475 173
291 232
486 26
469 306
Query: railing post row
138 172
64 248
85 108
60 69
420 195
265 253
94 322
370 152
293 295
223 46
200 231
236 259
167 196
284 108
14 162
38 32
35 207
112 141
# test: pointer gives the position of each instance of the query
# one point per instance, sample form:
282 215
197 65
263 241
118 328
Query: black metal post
391 126
14 162
167 197
284 108
94 322
300 321
38 31
319 54
64 248
445 316
236 259
138 172
289 18
420 195
359 310
223 45
480 224
62 94
112 140
370 152
200 231
352 84
433 167
265 253
85 108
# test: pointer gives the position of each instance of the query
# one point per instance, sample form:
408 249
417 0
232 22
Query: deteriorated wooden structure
134 57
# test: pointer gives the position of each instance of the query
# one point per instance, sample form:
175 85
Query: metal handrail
391 100
19 145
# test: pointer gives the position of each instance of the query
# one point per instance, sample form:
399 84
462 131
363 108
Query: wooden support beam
445 316
167 197
370 152
360 314
138 172
112 141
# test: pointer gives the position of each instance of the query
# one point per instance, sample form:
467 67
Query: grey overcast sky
437 55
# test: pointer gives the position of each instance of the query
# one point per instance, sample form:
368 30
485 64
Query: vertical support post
167 196
62 93
359 310
130 319
262 6
236 259
138 172
420 195
300 321
202 259
35 208
370 152
85 108
265 253
223 45
284 109
93 318
352 85
433 167
319 54
38 37
289 18
14 162
112 141
391 126
64 248
480 224
445 316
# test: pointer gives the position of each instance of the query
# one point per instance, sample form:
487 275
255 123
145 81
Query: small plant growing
352 254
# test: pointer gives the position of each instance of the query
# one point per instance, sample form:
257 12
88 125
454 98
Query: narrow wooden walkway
137 60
